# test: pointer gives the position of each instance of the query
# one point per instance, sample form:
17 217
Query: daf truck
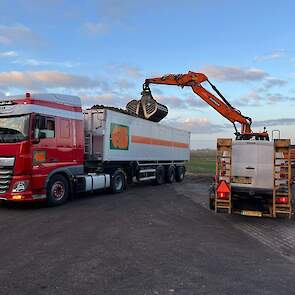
50 149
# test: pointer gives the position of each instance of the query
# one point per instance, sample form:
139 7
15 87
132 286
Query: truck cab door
44 147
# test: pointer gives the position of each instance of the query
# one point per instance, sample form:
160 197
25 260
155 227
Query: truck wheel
170 177
160 175
57 190
180 171
118 182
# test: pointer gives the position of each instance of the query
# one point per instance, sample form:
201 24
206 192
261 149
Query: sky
103 51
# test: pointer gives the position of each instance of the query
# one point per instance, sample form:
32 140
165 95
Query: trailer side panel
134 139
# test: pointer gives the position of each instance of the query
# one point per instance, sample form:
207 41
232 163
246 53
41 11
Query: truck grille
5 178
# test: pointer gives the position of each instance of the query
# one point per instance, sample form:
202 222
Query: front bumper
23 197
28 195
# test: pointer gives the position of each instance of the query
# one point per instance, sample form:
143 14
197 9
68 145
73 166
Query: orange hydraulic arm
221 105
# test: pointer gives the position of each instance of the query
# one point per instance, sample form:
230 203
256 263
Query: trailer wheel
160 175
118 182
170 177
180 171
58 190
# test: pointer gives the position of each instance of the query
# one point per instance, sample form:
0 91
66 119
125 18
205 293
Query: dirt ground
148 240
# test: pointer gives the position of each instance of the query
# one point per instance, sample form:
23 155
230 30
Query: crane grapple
147 107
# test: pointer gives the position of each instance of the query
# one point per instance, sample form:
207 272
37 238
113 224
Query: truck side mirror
37 133
38 136
35 140
41 135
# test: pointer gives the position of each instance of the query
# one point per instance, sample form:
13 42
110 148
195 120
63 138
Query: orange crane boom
221 105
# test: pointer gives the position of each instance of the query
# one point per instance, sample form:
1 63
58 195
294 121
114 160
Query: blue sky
103 51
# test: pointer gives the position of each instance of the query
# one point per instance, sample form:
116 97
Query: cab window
45 126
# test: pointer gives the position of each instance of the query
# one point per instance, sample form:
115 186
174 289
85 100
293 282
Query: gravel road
148 240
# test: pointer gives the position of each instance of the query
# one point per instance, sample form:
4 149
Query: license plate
251 213
242 180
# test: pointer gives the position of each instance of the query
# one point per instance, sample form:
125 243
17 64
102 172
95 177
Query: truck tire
180 172
118 182
170 176
58 190
160 175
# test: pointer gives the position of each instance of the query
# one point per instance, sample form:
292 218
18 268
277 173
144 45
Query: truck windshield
14 128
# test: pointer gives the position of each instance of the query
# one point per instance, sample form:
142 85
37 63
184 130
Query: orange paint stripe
155 141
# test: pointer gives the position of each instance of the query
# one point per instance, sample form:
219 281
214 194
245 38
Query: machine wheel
118 182
57 190
160 175
212 198
170 176
180 172
211 204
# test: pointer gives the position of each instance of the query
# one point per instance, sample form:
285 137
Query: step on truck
253 178
51 149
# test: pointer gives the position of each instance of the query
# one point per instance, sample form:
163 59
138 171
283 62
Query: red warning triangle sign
223 187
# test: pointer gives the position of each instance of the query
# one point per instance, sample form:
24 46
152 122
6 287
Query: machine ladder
223 203
282 185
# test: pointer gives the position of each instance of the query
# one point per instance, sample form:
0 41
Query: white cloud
94 29
116 14
124 70
233 73
110 13
8 54
270 82
113 10
274 55
18 33
36 63
133 72
273 81
124 84
118 11
196 125
174 102
275 122
4 40
47 80
253 98
157 91
278 97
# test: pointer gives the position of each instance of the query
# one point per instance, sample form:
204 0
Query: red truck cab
41 136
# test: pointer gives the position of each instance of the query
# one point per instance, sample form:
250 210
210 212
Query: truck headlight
20 186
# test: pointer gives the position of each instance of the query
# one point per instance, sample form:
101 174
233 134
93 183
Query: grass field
202 161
